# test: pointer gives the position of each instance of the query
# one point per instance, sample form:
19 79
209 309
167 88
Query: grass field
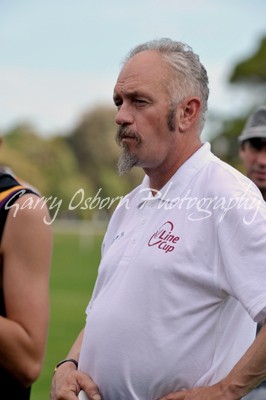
74 270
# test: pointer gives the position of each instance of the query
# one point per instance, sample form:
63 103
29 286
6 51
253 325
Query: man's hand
214 392
68 382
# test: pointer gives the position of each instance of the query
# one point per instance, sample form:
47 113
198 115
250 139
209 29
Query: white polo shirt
182 278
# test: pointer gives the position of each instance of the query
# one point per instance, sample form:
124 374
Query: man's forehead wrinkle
129 86
134 79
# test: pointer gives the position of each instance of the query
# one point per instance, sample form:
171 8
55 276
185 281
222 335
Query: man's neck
263 192
159 177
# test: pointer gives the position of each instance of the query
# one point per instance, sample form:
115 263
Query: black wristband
64 361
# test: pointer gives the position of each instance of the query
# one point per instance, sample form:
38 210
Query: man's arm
67 381
248 373
26 253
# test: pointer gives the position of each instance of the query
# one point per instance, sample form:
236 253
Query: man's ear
188 113
241 151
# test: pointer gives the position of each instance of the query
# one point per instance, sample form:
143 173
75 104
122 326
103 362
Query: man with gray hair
181 283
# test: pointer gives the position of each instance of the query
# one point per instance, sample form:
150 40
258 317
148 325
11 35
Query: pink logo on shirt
164 238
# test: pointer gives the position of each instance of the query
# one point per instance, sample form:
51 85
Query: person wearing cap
253 148
252 152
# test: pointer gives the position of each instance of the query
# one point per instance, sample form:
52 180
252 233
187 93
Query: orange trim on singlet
7 192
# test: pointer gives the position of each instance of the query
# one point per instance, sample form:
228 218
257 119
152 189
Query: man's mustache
125 132
259 169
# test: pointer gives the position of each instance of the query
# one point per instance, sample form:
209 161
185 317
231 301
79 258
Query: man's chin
126 162
260 183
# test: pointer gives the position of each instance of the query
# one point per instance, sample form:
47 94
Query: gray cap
255 126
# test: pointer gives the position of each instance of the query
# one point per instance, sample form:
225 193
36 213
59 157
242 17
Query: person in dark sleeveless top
25 257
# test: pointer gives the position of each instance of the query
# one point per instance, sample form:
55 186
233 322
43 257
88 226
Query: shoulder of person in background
5 169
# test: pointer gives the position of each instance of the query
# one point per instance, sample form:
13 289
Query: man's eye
256 144
140 101
118 104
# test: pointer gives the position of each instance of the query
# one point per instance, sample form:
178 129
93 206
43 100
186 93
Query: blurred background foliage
86 156
250 74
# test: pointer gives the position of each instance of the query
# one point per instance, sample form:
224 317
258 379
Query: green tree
93 142
48 164
252 69
250 74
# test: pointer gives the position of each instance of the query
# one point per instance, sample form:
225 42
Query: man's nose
261 156
124 115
